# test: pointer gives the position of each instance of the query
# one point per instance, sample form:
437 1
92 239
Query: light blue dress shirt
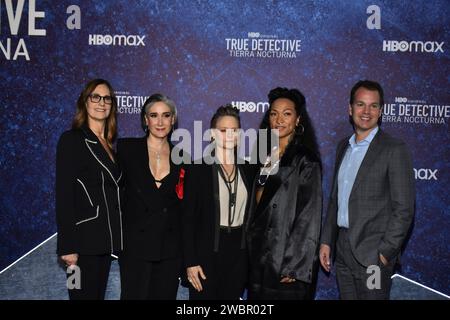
353 157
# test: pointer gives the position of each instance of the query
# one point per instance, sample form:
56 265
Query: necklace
267 170
232 192
157 154
158 158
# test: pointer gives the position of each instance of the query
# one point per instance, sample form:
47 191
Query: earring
302 130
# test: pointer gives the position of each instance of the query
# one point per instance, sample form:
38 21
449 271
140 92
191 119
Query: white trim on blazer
87 193
88 219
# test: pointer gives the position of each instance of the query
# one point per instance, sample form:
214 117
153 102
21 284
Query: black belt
232 228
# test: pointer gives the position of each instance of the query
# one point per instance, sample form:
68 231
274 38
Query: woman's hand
193 277
70 259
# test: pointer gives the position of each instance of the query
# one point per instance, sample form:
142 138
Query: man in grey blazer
371 206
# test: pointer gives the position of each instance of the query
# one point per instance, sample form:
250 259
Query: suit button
164 210
274 206
146 210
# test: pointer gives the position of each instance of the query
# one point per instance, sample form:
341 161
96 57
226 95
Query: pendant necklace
268 168
232 192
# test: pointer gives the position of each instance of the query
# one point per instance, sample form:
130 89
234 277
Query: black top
152 226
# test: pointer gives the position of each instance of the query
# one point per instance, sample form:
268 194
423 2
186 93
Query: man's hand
383 260
324 255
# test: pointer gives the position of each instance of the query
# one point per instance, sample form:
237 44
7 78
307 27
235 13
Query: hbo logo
254 34
250 106
401 99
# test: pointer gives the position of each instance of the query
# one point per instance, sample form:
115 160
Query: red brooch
179 187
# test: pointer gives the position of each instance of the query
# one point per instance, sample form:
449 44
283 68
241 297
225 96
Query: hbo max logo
250 106
116 40
425 174
412 46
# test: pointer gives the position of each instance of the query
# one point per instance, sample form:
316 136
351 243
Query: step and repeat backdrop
204 54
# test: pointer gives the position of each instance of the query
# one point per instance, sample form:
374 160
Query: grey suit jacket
381 203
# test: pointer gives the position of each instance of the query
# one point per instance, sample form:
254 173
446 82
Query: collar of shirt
364 142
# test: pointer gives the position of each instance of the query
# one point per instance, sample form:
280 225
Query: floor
38 276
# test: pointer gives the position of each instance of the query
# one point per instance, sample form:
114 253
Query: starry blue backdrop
185 57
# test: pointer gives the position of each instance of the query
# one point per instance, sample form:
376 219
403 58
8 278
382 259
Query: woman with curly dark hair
283 228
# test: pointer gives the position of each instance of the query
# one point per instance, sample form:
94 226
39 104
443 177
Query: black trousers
297 290
357 282
94 271
149 280
226 273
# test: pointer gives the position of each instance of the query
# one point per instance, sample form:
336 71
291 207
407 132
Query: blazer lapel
146 181
243 175
216 200
172 177
100 155
271 187
339 157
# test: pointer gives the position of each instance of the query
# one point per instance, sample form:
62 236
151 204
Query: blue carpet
38 276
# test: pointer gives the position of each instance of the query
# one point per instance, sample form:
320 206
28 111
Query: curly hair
306 137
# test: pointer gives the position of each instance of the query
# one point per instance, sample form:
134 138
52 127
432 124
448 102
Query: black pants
94 271
149 280
357 282
226 273
297 290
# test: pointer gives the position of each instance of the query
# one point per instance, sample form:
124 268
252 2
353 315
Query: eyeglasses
95 98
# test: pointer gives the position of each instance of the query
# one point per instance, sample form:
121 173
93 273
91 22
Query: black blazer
201 219
284 227
152 216
88 212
